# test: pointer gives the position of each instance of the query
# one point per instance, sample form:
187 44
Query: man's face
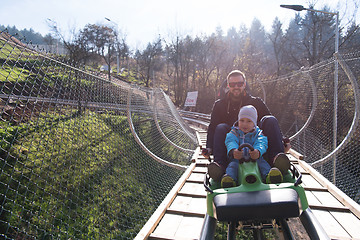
236 86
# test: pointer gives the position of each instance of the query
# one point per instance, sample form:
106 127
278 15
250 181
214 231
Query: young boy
246 131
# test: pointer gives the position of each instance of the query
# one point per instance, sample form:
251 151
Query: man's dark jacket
226 111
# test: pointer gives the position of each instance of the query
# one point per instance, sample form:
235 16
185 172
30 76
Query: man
224 115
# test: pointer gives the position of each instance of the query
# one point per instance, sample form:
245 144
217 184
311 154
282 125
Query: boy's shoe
282 162
274 176
227 182
215 171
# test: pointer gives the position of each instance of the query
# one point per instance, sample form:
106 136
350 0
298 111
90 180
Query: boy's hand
237 154
255 154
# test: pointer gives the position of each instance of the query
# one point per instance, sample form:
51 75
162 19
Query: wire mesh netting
74 150
85 157
304 102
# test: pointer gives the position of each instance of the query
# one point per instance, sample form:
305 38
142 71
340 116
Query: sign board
191 99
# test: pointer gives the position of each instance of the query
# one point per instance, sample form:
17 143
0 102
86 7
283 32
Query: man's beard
237 97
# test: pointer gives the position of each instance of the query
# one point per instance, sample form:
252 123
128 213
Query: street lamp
300 8
117 50
336 75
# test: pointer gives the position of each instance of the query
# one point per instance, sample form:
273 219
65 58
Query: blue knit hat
249 112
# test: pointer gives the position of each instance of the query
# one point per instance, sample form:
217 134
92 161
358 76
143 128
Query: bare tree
148 60
76 53
100 40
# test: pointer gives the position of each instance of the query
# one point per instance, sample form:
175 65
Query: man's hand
237 154
255 154
206 152
287 145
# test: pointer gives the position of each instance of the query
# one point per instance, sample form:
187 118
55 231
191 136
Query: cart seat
267 204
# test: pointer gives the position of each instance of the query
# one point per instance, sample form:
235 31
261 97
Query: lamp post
336 75
117 50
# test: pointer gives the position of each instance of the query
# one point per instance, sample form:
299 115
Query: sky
142 21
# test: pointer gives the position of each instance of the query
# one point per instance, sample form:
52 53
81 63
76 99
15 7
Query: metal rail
313 107
163 134
356 117
141 144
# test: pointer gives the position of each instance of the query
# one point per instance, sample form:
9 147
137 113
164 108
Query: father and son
241 118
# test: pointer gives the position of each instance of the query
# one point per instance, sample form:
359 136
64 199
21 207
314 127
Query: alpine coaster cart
254 205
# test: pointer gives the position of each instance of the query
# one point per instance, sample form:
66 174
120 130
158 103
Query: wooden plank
202 162
196 177
200 170
189 228
160 211
321 189
189 204
331 225
309 181
342 197
193 189
300 168
322 201
349 222
327 199
201 157
168 226
329 208
200 142
174 226
296 154
196 154
312 200
185 213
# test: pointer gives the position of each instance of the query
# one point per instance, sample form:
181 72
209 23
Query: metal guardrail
197 118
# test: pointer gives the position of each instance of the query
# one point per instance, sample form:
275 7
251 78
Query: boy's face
246 125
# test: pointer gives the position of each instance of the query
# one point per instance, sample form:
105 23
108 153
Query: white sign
191 99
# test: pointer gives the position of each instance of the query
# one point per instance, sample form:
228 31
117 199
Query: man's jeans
271 130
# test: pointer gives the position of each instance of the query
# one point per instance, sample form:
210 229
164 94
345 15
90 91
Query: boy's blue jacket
236 137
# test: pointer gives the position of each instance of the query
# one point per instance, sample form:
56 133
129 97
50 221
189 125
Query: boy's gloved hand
255 154
237 154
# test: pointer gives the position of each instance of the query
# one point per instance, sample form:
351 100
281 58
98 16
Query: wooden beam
151 224
337 193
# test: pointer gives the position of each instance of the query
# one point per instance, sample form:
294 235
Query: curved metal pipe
163 134
177 116
312 226
141 144
355 121
208 228
313 108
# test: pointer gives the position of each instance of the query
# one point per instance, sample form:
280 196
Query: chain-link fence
85 157
81 157
304 103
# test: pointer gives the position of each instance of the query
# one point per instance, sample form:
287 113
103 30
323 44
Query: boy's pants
233 167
